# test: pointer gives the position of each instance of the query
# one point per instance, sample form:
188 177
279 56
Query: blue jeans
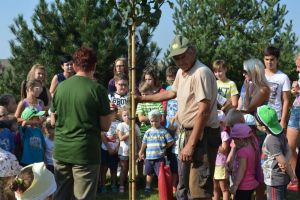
276 192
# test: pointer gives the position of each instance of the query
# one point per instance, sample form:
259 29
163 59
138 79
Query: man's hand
138 98
186 153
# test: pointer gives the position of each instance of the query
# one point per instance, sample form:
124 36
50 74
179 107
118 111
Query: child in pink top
221 174
244 165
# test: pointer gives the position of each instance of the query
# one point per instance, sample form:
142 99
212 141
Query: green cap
178 45
268 117
30 112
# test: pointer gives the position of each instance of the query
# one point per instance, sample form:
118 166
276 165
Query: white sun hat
42 186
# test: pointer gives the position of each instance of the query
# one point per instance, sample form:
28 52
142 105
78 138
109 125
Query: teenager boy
279 84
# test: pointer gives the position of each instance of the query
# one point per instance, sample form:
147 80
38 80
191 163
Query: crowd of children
242 166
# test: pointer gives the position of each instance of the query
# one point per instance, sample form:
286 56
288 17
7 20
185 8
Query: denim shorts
294 121
109 160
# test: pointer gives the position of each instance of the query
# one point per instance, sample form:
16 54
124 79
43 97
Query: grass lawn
154 195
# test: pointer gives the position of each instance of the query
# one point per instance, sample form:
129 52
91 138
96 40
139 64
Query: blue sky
163 35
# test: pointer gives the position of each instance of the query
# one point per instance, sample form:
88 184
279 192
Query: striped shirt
144 109
156 140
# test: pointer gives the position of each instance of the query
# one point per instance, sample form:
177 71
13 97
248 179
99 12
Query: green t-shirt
78 103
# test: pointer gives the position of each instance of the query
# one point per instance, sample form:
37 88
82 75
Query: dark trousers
243 195
195 179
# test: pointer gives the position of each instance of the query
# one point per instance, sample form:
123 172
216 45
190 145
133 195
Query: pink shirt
221 158
248 182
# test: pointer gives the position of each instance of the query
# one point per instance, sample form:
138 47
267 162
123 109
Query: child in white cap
35 182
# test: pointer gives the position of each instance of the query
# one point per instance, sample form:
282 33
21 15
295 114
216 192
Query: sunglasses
245 72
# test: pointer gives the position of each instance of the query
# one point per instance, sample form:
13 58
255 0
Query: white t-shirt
112 136
278 83
118 100
49 151
124 128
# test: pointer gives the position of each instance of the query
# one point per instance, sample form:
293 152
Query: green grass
118 196
154 195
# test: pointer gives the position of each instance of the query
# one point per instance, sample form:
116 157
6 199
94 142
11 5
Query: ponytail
18 185
23 90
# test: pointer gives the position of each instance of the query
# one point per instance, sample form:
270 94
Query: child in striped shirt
155 141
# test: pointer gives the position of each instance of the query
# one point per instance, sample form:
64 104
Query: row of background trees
233 30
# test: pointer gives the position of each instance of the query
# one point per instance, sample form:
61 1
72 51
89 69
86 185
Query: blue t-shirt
33 143
156 140
172 109
7 140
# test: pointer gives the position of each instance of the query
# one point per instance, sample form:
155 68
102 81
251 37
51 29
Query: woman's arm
53 85
260 97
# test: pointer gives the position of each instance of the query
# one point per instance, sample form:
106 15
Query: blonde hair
234 117
256 70
219 64
31 73
297 56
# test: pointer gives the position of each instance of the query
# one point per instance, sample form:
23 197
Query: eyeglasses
120 65
123 84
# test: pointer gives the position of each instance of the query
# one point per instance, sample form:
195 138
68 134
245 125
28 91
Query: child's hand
23 123
233 189
110 151
282 167
141 155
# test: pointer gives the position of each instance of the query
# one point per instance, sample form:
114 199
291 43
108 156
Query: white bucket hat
42 186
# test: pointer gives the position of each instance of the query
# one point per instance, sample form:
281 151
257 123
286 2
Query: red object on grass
165 182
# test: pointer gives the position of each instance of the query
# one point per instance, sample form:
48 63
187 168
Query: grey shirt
273 146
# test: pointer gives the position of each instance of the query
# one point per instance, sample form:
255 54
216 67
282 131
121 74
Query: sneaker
114 188
293 186
147 190
104 189
121 189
